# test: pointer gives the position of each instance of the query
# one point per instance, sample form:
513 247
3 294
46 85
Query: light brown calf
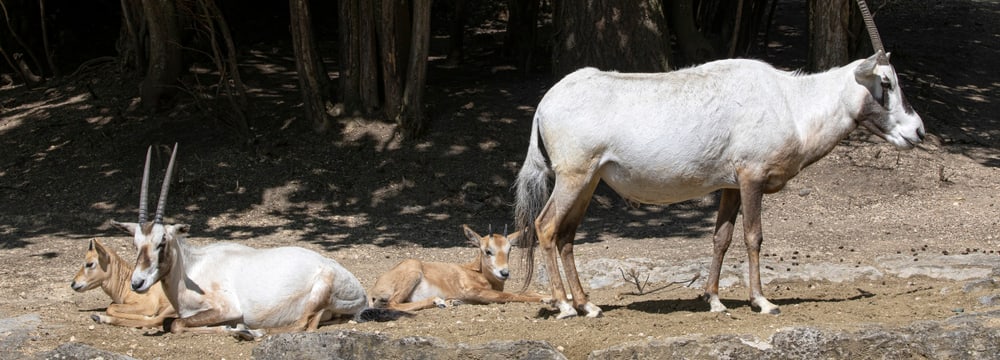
415 285
104 268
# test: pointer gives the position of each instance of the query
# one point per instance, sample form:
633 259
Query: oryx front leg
729 204
129 315
556 228
752 196
200 323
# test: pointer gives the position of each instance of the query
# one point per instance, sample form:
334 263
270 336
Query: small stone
990 300
958 310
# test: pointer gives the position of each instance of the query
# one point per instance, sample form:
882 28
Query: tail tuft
531 192
381 315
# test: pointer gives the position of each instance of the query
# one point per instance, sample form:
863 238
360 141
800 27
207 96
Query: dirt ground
72 157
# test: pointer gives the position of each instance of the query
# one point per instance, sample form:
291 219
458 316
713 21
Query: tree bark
522 31
129 42
456 33
392 84
45 41
164 65
627 36
829 44
694 46
313 81
350 43
368 57
412 120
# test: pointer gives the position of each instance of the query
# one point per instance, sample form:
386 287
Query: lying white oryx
736 125
234 289
103 267
416 285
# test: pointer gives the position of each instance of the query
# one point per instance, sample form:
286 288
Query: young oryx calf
234 289
103 267
739 126
415 285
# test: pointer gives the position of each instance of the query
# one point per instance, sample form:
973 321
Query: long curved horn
158 219
144 193
870 24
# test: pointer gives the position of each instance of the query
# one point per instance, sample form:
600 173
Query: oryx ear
473 237
127 227
515 238
179 228
102 253
864 74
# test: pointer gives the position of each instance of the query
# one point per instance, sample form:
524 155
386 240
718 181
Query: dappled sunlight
12 118
455 150
393 189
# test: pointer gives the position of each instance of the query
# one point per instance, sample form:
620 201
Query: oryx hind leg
556 226
397 285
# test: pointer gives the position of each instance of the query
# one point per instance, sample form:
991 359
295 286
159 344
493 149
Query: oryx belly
423 291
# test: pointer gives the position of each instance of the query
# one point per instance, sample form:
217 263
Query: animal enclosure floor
72 158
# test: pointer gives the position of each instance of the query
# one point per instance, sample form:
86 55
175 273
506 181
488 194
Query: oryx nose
504 273
921 134
137 284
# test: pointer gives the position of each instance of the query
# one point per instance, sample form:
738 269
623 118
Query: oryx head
152 240
495 251
95 268
885 110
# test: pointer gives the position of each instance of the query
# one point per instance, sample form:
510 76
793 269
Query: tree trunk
627 36
456 33
130 39
368 54
164 55
350 84
313 81
694 46
45 41
392 83
522 31
412 120
828 38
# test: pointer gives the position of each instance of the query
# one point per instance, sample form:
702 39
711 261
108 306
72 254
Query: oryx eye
489 252
886 85
91 265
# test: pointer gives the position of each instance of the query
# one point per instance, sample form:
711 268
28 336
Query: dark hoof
96 318
168 324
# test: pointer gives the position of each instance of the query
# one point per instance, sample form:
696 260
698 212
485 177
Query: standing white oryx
234 289
739 126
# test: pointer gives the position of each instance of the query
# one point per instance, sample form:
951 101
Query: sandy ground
72 157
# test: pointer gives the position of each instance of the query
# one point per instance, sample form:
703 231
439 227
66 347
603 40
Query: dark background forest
369 58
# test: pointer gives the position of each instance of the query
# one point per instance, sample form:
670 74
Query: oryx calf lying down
415 285
739 126
234 289
103 267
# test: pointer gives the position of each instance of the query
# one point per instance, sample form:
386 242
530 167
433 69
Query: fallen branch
632 276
